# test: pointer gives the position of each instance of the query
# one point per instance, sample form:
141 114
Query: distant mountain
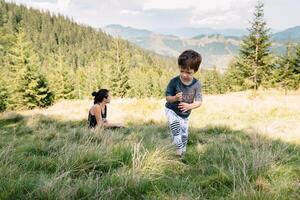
189 32
126 32
291 34
217 35
217 49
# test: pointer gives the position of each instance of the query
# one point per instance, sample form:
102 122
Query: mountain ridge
217 49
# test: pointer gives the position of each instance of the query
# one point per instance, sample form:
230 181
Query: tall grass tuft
156 163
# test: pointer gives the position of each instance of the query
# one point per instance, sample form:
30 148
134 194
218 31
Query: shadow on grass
220 162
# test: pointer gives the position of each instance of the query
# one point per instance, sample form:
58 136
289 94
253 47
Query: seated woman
98 112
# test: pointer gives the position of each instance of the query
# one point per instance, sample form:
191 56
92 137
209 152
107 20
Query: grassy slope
49 154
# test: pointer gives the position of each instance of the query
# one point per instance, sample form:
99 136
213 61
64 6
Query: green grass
44 158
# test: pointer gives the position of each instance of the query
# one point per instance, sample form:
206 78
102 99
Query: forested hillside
46 57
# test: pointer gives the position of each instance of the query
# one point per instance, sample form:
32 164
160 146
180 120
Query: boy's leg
184 125
174 124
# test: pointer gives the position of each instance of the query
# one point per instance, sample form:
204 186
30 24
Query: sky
168 14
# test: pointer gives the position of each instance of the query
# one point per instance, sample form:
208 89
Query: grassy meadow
241 146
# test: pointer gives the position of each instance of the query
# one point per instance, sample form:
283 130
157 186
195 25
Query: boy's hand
178 96
184 107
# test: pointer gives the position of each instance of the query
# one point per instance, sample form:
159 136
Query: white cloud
199 5
223 15
164 4
215 20
153 14
63 3
129 12
52 5
206 13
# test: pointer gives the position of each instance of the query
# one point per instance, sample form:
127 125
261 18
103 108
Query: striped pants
179 130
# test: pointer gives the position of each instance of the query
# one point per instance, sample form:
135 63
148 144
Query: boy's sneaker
182 157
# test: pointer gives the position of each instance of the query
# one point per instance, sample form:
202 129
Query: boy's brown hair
189 59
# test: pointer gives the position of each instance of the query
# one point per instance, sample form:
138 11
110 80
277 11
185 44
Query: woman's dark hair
100 95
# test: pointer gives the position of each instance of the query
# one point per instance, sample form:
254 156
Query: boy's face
186 74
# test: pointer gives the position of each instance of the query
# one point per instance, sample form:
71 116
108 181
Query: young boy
183 94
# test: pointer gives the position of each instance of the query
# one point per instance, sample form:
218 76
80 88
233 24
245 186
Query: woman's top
92 122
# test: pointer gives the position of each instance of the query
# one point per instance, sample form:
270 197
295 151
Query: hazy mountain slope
291 34
217 49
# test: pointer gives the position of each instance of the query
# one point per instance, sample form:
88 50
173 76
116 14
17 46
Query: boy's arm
177 97
197 102
189 106
170 91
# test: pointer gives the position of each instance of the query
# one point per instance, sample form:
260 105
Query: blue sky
157 14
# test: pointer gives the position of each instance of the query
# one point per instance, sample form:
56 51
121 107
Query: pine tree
35 90
4 95
80 80
120 68
18 58
234 78
4 49
282 76
286 75
212 82
61 78
6 42
30 88
253 61
296 68
136 88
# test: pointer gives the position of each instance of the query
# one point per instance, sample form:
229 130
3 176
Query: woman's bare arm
101 122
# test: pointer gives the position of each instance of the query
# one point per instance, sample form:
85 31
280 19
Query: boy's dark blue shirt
189 94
